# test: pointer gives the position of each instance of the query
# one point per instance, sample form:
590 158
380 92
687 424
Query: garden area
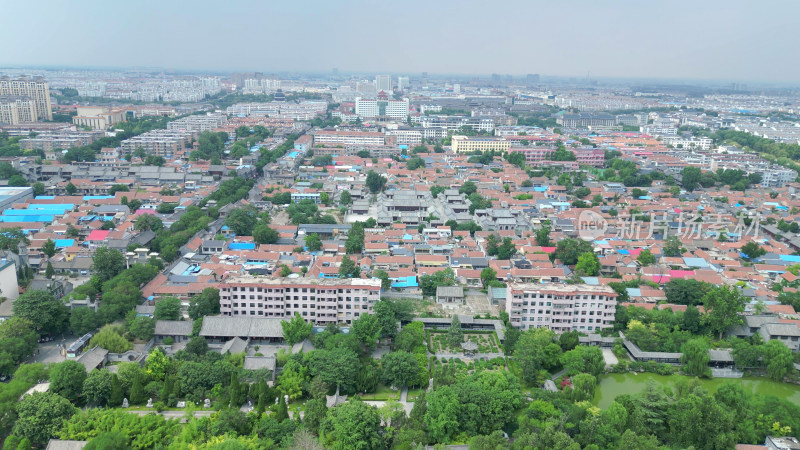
442 342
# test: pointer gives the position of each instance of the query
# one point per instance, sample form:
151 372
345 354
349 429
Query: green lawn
414 393
383 393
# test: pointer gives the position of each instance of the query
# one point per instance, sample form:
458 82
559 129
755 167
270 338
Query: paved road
611 359
50 352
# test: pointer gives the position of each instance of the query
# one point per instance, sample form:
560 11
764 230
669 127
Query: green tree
107 263
40 416
49 248
48 315
296 329
569 250
337 367
345 198
543 235
646 258
348 268
197 345
672 247
353 425
455 335
375 182
681 291
429 283
367 329
137 391
313 242
116 394
583 359
49 271
71 189
168 308
695 358
142 328
779 360
536 351
97 388
468 188
38 189
583 387
66 380
400 369
588 265
723 305
386 282
242 220
205 304
690 178
441 415
488 274
110 338
82 320
410 337
752 250
148 222
264 234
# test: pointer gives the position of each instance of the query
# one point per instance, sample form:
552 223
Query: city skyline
711 41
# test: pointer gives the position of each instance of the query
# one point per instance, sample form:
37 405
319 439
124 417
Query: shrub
168 341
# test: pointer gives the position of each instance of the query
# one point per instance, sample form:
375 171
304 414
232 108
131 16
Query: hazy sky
711 39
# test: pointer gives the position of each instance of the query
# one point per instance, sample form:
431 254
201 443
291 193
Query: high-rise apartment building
561 307
383 83
35 89
382 108
403 83
320 301
15 110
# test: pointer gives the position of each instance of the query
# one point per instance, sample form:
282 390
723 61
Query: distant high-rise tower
383 83
531 79
402 83
34 89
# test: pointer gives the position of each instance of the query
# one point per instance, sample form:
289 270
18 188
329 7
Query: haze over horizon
712 40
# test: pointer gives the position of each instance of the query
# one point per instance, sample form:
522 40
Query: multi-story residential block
406 136
561 307
455 123
383 83
382 108
98 117
35 89
403 83
166 143
586 120
349 138
466 144
306 110
320 301
16 110
197 123
594 157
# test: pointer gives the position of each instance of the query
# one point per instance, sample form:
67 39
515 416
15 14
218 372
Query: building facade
561 307
35 89
16 110
466 144
319 301
382 108
98 117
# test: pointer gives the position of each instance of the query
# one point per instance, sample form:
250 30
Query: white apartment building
561 307
349 138
197 123
261 86
406 136
403 83
16 110
382 107
35 89
307 110
98 117
320 301
383 83
166 143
